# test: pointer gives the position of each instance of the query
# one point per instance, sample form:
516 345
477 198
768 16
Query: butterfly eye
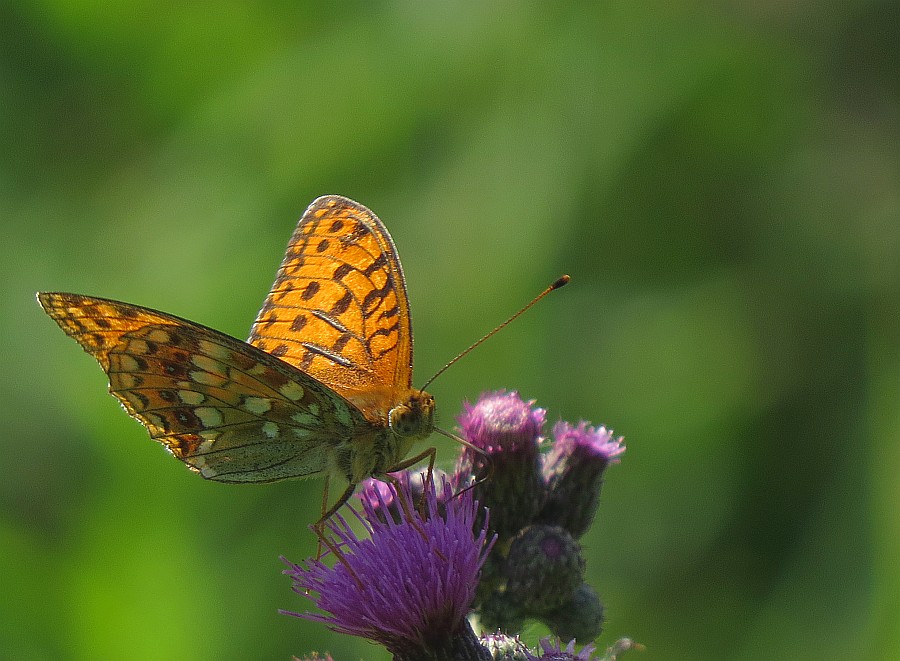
402 420
413 418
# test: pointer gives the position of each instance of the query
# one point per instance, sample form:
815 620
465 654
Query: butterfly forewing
338 309
230 411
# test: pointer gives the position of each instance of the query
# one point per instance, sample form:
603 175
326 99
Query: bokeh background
721 180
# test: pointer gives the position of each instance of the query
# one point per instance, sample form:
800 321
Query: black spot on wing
342 304
311 290
341 272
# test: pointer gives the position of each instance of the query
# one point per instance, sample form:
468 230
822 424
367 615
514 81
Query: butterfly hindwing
228 410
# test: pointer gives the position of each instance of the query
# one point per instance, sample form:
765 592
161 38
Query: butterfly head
413 417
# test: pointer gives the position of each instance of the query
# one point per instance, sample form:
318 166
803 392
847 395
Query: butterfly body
322 386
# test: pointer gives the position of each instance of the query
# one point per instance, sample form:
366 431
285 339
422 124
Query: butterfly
323 385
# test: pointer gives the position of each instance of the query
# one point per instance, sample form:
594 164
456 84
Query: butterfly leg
488 473
431 453
319 528
320 524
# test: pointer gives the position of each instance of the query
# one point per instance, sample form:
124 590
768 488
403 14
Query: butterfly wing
338 309
230 411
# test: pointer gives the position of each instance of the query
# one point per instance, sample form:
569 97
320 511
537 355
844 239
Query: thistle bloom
506 648
555 652
410 584
573 472
502 422
540 505
381 498
508 480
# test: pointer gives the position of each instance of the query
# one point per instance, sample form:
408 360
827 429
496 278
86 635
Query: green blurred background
721 180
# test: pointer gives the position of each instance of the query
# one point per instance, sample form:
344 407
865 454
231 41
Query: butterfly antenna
561 282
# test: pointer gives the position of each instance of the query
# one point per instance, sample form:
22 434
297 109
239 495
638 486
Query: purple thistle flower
507 475
380 496
375 493
573 472
594 442
502 421
410 584
553 651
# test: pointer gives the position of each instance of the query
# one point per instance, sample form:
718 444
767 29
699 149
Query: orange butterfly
322 386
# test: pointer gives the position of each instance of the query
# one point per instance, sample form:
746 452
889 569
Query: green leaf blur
721 180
